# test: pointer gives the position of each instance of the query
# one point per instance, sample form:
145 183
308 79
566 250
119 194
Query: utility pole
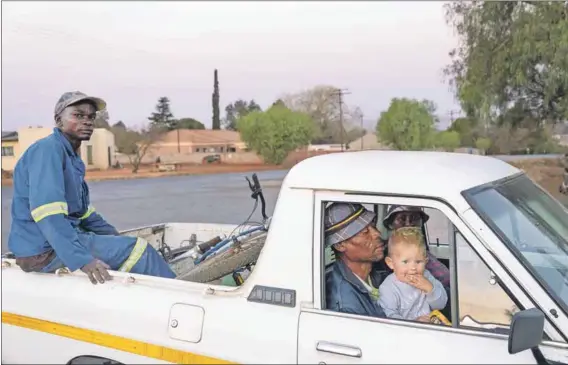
340 93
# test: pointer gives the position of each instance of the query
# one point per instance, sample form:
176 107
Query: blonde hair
408 236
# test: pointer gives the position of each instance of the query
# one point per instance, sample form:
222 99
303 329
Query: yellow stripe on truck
110 341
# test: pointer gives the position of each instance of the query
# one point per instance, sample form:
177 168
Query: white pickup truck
503 238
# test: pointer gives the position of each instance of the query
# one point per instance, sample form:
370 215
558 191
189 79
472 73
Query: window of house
482 304
8 151
89 155
231 149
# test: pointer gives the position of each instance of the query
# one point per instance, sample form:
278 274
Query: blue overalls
51 211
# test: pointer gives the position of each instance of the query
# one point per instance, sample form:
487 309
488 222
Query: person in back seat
349 229
405 216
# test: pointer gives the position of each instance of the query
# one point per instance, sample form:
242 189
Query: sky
131 53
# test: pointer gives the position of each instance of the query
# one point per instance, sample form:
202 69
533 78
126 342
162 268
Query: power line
340 93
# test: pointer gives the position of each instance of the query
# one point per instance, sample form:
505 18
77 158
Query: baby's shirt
403 301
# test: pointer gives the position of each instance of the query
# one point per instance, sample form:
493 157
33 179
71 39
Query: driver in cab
351 234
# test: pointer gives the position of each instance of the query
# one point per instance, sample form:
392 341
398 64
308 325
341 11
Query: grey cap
344 220
393 209
73 97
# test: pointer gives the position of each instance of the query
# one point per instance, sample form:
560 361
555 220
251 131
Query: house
188 141
97 153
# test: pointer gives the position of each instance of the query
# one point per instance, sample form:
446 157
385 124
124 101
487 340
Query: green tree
163 118
120 124
273 134
467 129
189 123
407 124
483 144
448 140
237 110
101 120
215 100
510 51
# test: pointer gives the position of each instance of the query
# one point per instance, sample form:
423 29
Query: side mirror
527 330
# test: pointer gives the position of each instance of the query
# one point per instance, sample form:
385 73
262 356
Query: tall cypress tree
215 98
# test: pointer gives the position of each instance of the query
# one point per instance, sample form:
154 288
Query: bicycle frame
227 242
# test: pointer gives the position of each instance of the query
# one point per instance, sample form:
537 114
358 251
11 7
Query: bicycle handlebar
256 193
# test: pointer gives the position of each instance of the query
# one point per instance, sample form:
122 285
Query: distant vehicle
211 159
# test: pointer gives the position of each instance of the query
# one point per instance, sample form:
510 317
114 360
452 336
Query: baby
410 292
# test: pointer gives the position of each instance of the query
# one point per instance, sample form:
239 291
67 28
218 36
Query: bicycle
218 257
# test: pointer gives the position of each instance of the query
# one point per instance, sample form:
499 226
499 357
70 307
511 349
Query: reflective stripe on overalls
135 255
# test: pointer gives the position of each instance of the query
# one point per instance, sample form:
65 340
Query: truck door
480 316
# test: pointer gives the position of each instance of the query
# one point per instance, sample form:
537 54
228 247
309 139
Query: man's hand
420 282
97 271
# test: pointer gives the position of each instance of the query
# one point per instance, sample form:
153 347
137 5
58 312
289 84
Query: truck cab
503 238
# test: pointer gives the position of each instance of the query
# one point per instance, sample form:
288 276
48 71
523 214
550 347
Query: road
223 198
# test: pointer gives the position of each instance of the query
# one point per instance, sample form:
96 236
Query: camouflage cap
73 97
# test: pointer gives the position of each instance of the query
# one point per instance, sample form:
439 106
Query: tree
101 120
510 52
237 110
321 103
119 124
483 144
135 144
407 124
188 123
215 98
448 140
467 128
163 118
273 134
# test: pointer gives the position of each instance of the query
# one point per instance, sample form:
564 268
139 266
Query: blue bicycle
235 254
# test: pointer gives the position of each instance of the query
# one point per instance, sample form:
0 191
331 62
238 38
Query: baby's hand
424 318
420 282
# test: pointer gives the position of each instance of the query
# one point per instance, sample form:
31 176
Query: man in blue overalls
53 224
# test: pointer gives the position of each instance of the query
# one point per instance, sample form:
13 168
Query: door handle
335 348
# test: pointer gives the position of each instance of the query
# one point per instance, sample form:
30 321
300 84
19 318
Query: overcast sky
131 53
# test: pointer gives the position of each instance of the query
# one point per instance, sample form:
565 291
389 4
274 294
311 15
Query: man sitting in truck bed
351 234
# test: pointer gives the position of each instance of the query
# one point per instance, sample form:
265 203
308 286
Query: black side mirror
527 330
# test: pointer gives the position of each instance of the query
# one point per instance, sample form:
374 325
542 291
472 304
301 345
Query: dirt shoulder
547 172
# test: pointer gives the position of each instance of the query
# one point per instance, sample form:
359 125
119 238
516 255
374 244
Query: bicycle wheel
246 252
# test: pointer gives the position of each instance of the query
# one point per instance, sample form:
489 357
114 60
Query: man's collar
350 277
59 134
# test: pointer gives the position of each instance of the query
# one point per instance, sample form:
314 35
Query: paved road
223 198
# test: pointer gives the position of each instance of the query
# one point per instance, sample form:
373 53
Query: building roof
436 174
202 136
9 136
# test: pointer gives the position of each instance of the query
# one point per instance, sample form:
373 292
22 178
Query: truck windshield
533 225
